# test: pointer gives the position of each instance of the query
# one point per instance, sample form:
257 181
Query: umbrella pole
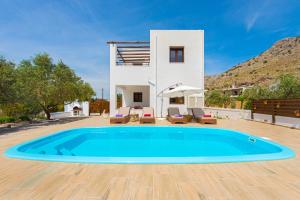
162 101
187 101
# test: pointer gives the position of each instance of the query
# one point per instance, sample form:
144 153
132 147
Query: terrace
24 179
132 52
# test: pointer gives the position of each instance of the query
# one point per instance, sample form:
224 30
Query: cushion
147 115
119 115
178 115
206 115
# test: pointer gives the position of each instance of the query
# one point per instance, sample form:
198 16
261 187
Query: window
176 54
137 97
176 100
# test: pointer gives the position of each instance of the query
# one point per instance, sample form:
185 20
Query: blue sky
76 31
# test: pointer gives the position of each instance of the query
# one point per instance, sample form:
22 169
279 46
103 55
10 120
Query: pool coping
285 153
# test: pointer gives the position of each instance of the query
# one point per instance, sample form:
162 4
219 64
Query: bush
7 120
233 105
248 105
24 118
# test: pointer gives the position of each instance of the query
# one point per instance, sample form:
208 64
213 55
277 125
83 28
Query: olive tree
7 81
44 85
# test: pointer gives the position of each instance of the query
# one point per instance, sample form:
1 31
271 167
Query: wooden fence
99 106
277 107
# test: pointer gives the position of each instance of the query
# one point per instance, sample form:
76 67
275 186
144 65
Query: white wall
161 74
228 113
84 105
127 94
262 117
279 120
246 114
190 72
127 75
288 121
59 115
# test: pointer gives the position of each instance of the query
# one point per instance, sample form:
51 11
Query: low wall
59 115
228 113
246 114
279 120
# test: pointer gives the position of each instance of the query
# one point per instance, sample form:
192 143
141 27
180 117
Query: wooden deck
23 179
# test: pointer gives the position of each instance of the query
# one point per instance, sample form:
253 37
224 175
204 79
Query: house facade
140 71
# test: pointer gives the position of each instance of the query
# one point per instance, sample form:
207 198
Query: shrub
24 118
248 104
7 120
233 104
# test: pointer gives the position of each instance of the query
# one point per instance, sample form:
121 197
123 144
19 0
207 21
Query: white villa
140 71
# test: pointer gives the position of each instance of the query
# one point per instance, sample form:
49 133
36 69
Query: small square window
176 54
137 97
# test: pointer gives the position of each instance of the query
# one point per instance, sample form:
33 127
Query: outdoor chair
203 118
122 117
174 116
147 115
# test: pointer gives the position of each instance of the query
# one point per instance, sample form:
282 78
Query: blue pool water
150 144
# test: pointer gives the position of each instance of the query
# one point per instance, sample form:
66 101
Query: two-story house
141 70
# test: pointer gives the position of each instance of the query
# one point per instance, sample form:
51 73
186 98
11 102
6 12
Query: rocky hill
283 57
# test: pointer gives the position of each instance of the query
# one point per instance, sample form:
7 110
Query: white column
112 96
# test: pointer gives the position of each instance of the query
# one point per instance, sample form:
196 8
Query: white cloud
251 20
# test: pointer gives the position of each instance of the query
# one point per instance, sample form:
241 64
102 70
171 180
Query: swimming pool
149 144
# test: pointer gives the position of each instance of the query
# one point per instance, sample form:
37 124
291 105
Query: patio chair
122 117
147 115
203 118
174 116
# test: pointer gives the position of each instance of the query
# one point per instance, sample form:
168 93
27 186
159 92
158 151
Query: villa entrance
134 96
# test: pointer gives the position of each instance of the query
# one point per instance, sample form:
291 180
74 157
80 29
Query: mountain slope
283 57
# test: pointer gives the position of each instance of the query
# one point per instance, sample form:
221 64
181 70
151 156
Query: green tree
256 93
241 98
214 98
43 85
288 87
225 100
7 81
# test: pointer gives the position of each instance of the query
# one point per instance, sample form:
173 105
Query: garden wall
229 113
246 114
59 115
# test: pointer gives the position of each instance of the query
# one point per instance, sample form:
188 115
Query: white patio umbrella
182 90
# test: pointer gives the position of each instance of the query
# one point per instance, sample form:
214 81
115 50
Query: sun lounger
122 117
174 116
147 116
203 118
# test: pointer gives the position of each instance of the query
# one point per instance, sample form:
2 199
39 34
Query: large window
137 97
176 100
176 54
